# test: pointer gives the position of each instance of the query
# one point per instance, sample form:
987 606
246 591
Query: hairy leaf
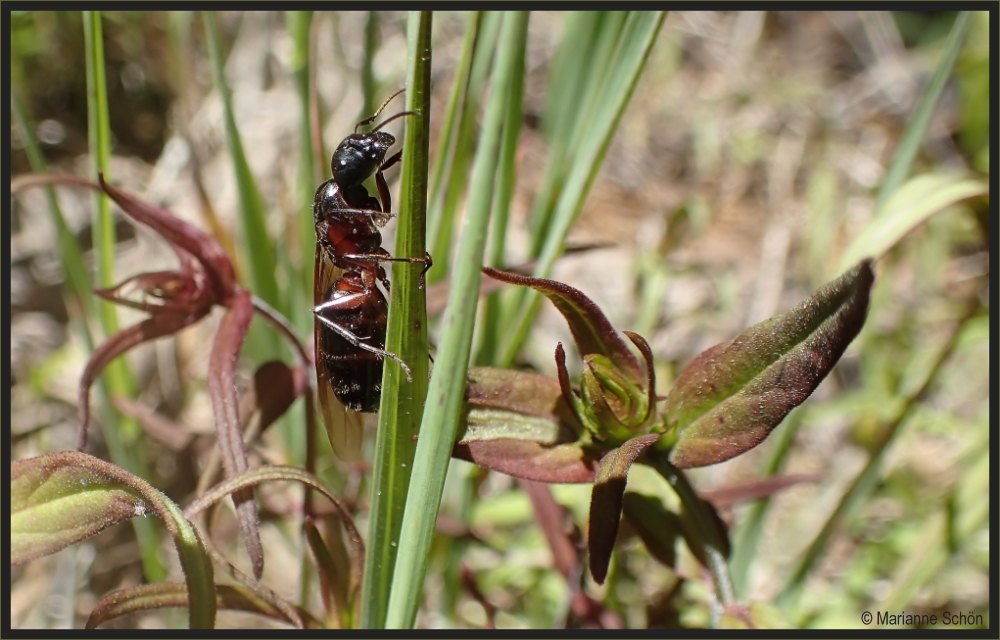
517 404
46 488
56 502
729 398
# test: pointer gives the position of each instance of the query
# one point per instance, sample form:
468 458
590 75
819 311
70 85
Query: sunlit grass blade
908 208
406 336
368 85
609 101
121 434
503 195
916 128
445 203
446 393
573 98
450 162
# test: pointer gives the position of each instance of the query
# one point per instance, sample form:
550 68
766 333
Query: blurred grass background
749 157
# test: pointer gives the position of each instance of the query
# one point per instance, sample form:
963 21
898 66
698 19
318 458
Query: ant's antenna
370 119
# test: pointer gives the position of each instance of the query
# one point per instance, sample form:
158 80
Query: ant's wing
344 427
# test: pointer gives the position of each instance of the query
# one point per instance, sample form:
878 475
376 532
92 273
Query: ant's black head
359 156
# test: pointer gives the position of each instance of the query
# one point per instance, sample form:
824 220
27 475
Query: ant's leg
391 162
379 257
428 263
382 185
383 190
353 339
380 218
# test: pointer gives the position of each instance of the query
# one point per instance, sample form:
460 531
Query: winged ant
351 311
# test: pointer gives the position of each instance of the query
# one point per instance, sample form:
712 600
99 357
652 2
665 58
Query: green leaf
120 434
619 50
46 488
909 207
54 504
606 502
729 398
517 404
259 249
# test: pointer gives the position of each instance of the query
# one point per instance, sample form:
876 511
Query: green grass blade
368 85
449 143
309 176
637 39
503 195
916 128
259 250
70 254
122 435
444 215
578 82
445 395
909 207
406 336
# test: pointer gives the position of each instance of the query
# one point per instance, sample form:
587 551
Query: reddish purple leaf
518 423
181 235
222 389
157 326
592 331
565 463
276 386
606 502
499 394
206 278
729 398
